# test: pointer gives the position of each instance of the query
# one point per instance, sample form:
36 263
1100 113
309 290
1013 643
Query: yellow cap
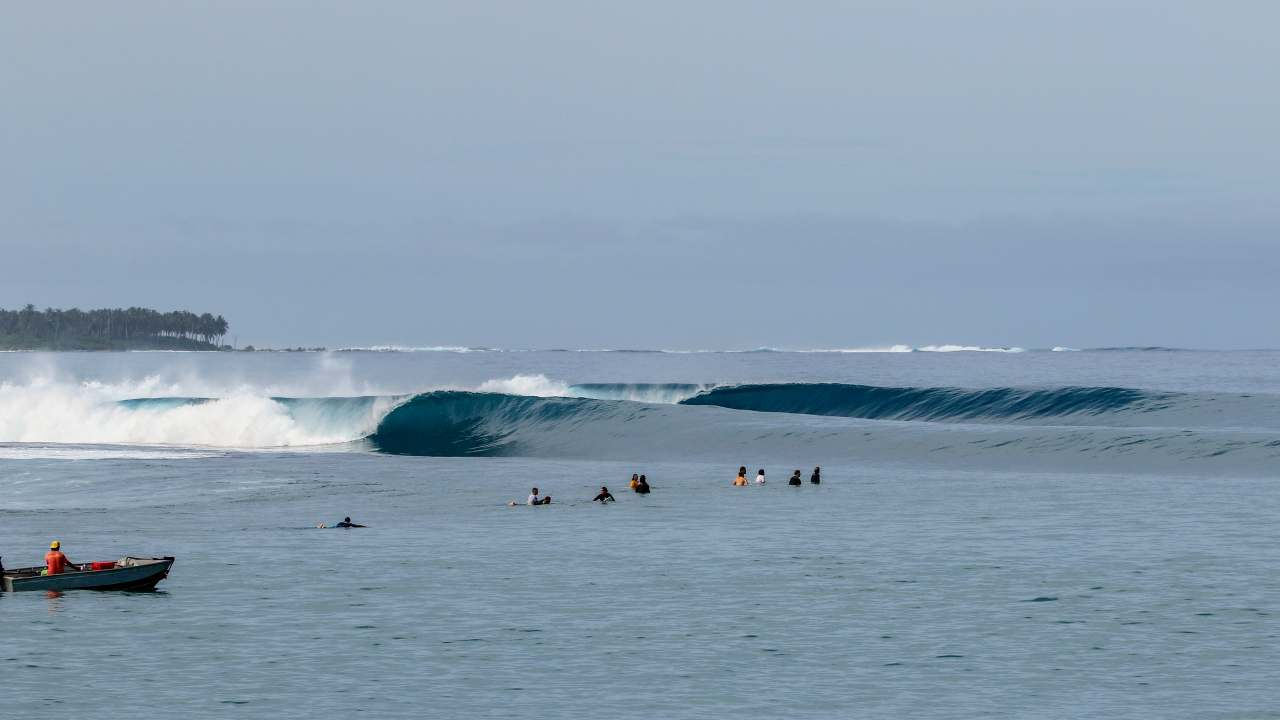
55 545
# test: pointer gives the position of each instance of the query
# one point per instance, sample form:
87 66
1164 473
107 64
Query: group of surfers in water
794 481
56 562
639 485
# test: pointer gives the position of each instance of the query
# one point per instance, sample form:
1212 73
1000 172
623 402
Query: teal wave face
458 424
931 403
808 425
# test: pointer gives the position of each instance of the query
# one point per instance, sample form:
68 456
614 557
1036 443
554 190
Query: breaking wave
537 417
452 423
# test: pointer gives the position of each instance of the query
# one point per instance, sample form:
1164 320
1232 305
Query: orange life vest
55 561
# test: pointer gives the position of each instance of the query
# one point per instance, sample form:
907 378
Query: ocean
997 533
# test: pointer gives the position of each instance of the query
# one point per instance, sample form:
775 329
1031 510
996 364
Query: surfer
741 480
604 496
816 477
536 499
346 523
760 477
642 486
635 480
795 479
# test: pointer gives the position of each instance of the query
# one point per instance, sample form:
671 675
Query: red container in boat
102 565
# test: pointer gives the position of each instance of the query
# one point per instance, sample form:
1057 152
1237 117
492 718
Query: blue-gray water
1036 552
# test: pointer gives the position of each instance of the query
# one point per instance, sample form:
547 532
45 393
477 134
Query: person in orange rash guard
54 560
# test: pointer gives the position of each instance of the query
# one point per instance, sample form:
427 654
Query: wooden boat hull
140 576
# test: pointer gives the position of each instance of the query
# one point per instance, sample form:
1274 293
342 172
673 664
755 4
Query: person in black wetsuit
642 487
604 496
346 523
795 479
816 477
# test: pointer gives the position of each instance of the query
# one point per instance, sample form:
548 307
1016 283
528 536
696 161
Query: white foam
531 385
88 413
968 348
883 349
657 394
408 349
54 452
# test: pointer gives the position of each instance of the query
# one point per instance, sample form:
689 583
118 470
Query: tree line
107 327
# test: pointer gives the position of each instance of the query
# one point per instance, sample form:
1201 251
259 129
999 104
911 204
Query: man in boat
55 562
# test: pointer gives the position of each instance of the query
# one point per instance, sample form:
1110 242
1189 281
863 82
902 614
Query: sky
717 174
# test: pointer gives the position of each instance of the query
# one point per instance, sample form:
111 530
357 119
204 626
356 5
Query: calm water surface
877 593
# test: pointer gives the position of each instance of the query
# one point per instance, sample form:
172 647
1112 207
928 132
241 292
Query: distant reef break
132 328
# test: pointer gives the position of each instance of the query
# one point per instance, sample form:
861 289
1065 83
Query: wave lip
667 393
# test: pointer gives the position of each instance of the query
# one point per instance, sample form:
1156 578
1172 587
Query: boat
128 573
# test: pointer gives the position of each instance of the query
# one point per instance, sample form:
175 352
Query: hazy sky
656 174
